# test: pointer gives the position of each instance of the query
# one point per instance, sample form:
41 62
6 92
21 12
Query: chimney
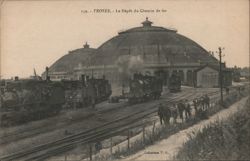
47 74
83 79
86 45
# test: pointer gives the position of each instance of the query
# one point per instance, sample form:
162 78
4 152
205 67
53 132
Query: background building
209 76
147 49
64 67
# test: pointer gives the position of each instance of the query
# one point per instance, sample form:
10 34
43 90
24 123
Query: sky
34 34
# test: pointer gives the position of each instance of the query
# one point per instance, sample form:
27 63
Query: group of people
182 109
203 102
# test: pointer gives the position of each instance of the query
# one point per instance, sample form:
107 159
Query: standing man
174 113
167 115
195 106
207 101
181 108
187 110
160 113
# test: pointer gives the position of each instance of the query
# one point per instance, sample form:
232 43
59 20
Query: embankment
226 140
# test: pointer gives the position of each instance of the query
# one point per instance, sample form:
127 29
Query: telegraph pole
221 75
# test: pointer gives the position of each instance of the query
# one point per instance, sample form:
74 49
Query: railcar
33 99
27 100
174 83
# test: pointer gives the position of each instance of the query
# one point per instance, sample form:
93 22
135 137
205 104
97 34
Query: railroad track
104 131
70 142
29 132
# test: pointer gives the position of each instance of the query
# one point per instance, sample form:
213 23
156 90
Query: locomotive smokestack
87 78
103 77
16 78
92 74
83 80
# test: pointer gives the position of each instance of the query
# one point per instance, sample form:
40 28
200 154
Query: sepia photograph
142 80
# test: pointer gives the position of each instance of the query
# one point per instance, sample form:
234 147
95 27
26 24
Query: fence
146 132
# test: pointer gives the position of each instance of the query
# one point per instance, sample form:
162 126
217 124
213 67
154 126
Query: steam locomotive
31 99
144 87
26 100
174 83
88 91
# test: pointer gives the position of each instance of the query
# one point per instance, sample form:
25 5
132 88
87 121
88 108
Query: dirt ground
60 123
166 149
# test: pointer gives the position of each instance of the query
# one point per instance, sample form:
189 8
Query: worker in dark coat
98 146
195 103
202 102
166 115
174 113
160 113
187 110
181 108
206 101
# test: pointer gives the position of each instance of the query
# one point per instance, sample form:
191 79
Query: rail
106 130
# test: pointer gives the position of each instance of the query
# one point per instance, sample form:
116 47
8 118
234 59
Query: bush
228 140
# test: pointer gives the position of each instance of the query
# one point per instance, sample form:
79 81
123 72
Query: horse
164 113
174 113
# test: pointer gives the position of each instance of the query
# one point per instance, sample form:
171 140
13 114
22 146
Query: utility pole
221 75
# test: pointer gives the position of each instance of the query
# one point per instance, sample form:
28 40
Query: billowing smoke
128 65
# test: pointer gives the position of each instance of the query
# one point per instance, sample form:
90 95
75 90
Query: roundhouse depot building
64 67
151 50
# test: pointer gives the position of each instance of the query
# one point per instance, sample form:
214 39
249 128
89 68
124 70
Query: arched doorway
181 74
190 78
163 75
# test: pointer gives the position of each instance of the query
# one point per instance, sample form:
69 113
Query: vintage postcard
124 80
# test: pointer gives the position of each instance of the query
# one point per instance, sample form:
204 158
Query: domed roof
153 43
74 58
